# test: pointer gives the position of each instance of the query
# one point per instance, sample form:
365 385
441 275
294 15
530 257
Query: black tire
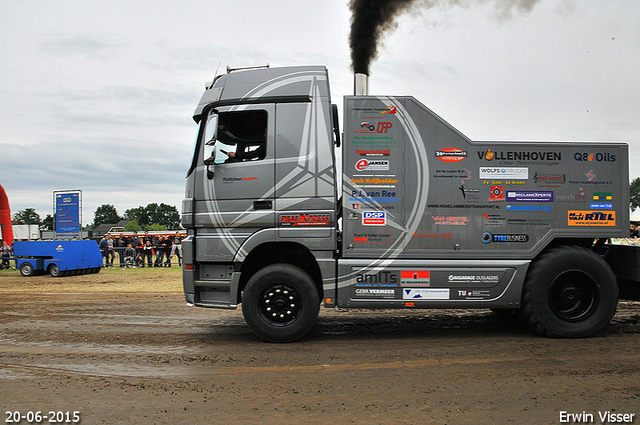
54 270
280 303
26 269
569 292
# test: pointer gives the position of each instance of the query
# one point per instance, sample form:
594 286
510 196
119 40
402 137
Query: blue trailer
58 258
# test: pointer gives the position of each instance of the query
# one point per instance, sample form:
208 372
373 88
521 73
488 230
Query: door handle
262 205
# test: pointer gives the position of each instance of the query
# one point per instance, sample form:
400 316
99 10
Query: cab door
234 182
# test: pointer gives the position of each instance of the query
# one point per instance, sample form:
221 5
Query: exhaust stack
360 84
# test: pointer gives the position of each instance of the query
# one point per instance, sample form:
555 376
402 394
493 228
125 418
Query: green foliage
634 193
27 216
156 227
106 214
133 226
49 222
163 215
137 214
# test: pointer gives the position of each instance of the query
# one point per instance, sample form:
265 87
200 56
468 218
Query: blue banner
68 214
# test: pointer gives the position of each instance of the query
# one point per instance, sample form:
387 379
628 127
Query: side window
241 136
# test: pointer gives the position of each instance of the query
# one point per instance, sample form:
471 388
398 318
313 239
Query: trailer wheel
54 270
26 269
280 303
569 292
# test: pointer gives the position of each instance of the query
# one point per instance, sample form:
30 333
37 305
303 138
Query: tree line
152 217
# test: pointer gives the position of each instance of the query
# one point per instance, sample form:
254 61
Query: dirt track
70 344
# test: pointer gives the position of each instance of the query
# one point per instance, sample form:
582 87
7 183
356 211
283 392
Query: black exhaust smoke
370 19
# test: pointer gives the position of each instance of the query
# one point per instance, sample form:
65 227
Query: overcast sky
99 96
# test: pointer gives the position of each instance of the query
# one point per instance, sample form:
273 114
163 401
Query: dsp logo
451 154
374 218
305 220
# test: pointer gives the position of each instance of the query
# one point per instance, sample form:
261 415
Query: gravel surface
121 347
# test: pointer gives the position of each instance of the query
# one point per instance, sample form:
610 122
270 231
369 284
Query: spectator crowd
138 251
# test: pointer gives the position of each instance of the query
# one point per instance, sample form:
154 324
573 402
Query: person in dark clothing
166 247
148 253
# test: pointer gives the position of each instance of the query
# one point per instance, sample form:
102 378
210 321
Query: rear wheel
569 292
26 269
54 270
280 303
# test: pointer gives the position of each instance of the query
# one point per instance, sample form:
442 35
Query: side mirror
336 125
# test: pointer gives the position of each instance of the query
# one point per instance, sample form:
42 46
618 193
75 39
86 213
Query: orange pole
5 217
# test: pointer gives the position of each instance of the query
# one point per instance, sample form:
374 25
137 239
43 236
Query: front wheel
569 292
26 269
280 303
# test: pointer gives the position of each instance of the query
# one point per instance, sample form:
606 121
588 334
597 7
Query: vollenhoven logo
489 155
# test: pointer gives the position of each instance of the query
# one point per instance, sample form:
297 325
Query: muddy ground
121 347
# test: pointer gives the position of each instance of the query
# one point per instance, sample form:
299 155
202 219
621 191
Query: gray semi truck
419 216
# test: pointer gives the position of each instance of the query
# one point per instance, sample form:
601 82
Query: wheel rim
574 295
26 269
280 305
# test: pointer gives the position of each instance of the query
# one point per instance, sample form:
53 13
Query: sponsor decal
528 221
529 196
375 292
374 165
434 235
382 277
375 182
602 196
60 248
374 218
373 152
366 127
451 154
380 237
237 179
378 141
390 110
489 237
382 194
470 194
580 196
529 208
493 219
425 294
597 157
457 206
415 277
490 155
591 218
601 206
518 173
473 294
451 221
496 194
474 278
591 179
549 178
305 220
